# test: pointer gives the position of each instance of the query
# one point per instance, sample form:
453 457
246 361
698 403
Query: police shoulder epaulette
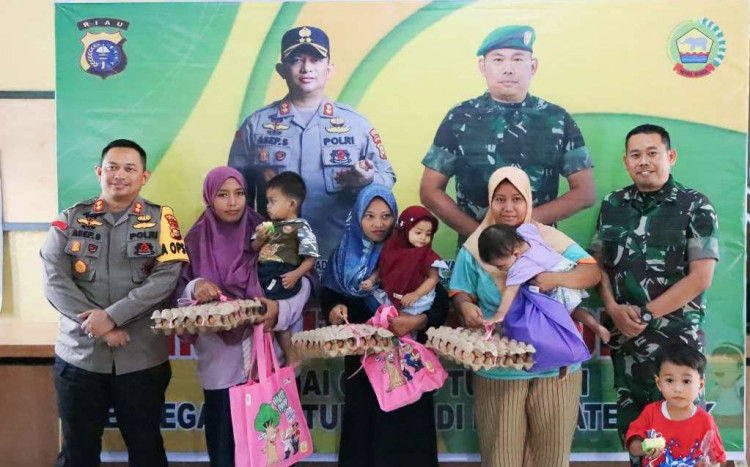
352 114
272 106
151 203
348 108
86 202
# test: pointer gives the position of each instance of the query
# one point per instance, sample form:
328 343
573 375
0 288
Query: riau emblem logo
103 54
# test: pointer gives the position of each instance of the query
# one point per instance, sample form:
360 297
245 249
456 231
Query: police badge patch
103 53
340 156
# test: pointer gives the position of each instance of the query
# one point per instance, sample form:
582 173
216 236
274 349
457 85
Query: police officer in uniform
108 263
506 126
330 145
657 246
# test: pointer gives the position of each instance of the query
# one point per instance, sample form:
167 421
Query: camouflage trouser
634 366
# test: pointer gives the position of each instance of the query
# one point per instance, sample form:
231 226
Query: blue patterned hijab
355 257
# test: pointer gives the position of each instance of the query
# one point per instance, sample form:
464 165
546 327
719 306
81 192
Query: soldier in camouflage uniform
506 126
657 245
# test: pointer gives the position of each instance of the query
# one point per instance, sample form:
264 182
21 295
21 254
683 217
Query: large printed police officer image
334 148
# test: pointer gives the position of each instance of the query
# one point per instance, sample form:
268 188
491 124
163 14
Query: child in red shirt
676 431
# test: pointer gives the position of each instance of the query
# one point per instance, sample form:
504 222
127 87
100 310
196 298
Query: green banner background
173 53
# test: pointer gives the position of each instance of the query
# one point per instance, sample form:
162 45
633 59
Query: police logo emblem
304 35
328 109
263 155
103 54
144 249
697 48
280 155
337 126
340 156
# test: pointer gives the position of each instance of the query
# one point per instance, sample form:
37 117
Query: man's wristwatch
646 315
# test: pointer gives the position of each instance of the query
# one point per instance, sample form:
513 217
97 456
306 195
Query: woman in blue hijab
369 436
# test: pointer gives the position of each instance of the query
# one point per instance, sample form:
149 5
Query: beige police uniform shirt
127 266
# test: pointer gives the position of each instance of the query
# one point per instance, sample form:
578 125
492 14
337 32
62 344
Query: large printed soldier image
506 126
657 246
330 145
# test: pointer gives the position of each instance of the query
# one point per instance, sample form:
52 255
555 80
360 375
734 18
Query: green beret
508 37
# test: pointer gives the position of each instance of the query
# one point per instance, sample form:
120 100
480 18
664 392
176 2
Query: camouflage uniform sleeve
308 244
241 157
576 156
443 154
59 287
595 247
375 153
703 231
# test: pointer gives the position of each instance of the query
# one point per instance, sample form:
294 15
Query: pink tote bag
271 429
401 375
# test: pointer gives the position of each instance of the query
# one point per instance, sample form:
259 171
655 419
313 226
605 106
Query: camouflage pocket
666 250
614 240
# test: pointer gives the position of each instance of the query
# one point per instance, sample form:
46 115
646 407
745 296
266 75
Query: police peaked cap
309 38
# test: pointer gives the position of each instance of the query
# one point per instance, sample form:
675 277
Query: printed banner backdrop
180 77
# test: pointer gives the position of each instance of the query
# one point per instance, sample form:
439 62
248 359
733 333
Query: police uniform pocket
143 249
141 256
336 163
140 268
